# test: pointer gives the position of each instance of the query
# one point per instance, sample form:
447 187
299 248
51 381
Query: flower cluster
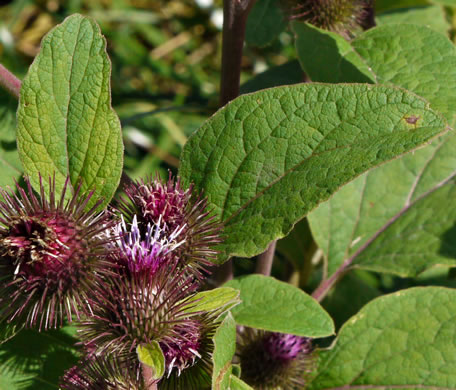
162 242
129 277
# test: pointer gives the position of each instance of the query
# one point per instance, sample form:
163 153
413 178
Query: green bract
152 356
224 349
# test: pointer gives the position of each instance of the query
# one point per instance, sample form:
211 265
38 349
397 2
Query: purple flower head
282 346
140 308
49 253
147 251
157 202
275 361
182 352
180 215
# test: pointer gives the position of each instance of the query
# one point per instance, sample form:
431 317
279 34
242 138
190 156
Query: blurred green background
166 59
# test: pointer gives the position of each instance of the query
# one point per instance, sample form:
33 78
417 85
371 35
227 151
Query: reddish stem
264 261
10 82
235 13
148 375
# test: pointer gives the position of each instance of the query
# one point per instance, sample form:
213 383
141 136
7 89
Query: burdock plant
265 164
51 251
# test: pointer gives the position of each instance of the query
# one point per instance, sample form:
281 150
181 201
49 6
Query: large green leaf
269 304
403 341
66 125
36 361
411 56
268 158
11 167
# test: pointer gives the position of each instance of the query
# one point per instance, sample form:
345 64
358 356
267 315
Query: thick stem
148 375
9 82
264 261
224 273
235 13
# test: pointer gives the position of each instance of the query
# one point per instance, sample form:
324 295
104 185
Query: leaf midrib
293 168
399 214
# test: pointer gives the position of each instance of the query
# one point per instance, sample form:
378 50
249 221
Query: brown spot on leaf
412 119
